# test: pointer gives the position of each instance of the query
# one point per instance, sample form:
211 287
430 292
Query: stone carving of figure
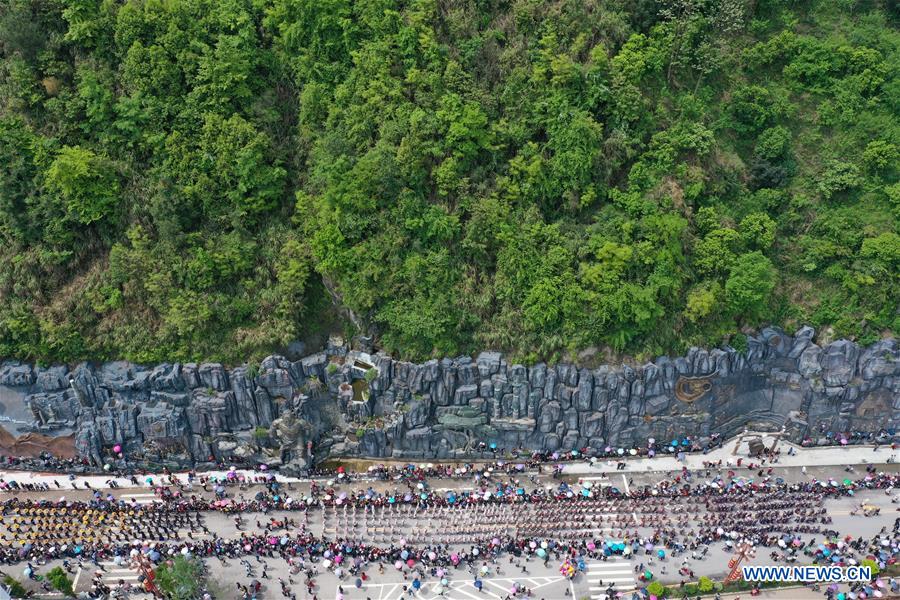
291 432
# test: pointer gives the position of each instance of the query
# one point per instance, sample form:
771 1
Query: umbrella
416 584
478 584
358 582
541 552
398 565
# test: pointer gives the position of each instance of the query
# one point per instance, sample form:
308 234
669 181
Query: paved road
730 452
449 527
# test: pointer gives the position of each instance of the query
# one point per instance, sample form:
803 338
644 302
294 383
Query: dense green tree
180 578
86 183
749 284
190 179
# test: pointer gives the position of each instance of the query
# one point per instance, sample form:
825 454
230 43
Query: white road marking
77 577
625 482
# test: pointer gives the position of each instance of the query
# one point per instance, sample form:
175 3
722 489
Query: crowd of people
413 528
47 462
772 505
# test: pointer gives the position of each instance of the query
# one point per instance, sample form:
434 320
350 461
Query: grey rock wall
352 403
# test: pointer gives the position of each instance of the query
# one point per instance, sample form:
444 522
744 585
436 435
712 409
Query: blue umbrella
478 584
674 443
493 445
416 584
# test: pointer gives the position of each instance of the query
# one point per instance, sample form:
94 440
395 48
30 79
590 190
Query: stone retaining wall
182 414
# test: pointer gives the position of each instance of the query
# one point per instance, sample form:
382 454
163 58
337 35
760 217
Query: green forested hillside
207 179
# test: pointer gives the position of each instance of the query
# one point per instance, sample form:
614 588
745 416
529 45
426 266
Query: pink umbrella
339 559
410 563
117 448
398 565
495 541
591 546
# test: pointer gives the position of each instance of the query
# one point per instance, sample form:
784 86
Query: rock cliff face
350 403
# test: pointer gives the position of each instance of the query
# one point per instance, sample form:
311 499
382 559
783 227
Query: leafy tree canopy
199 179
